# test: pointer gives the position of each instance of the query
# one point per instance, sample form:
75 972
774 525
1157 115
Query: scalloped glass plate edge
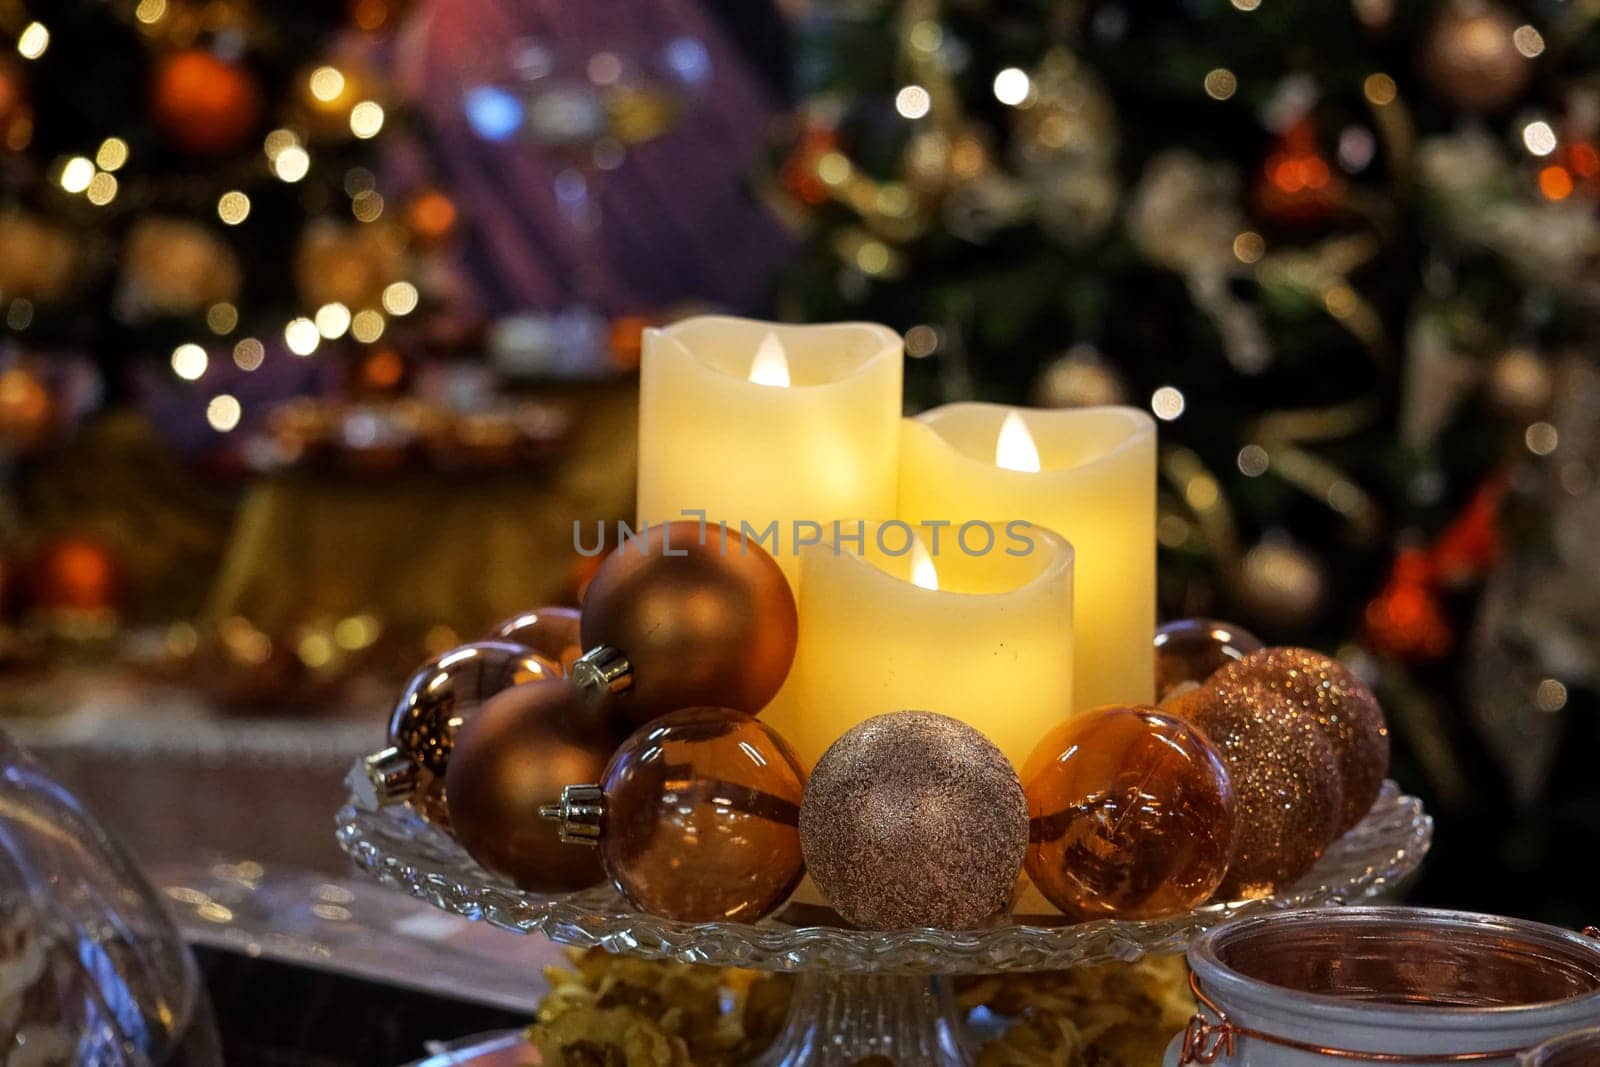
400 849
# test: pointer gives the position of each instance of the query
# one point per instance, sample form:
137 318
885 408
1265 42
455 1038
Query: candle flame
771 365
923 573
1014 448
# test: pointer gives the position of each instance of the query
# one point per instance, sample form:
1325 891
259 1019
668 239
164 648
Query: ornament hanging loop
600 672
580 815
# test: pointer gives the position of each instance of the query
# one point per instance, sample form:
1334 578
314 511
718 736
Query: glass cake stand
859 994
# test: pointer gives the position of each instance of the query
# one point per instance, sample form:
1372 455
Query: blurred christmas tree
196 182
1345 252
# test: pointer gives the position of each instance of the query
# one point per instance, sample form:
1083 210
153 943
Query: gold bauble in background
1078 378
38 259
348 264
1520 384
1470 59
1281 583
176 267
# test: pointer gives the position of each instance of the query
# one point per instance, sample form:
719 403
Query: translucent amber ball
703 817
1131 815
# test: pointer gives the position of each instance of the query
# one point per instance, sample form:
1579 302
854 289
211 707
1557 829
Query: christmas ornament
1132 815
204 104
913 819
175 267
551 632
77 573
1520 384
1191 650
695 817
1285 780
511 761
1281 583
686 616
436 700
802 171
1405 619
1297 186
16 117
27 410
1080 378
1471 59
432 217
1471 544
40 261
348 264
1345 710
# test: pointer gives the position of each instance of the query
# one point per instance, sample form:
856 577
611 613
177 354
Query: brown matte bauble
513 758
1131 815
551 632
913 819
1470 56
1285 779
204 104
1192 650
702 817
1346 710
701 621
452 688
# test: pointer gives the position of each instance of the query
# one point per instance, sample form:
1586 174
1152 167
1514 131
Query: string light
112 154
248 354
1253 461
1167 402
1379 89
223 412
922 341
366 119
1248 247
327 83
102 189
233 207
277 141
367 206
332 320
1555 183
189 362
912 101
302 336
833 168
19 316
1539 138
1551 696
1221 84
1541 438
34 40
367 326
1529 41
1012 86
150 12
222 318
292 163
76 174
400 298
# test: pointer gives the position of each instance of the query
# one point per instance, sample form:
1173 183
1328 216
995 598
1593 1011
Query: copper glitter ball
914 820
1286 780
1346 710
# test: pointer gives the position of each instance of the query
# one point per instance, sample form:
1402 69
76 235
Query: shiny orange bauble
205 105
453 687
1191 650
512 759
702 817
432 217
699 621
1131 815
551 632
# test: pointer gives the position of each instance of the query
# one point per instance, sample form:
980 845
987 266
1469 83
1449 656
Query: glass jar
1580 1049
1294 988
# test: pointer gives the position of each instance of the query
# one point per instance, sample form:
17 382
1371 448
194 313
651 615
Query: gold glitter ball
1345 709
1285 777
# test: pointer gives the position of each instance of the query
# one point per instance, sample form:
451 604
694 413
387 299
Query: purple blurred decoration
678 222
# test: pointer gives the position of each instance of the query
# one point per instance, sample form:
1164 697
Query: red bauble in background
77 573
204 104
1297 186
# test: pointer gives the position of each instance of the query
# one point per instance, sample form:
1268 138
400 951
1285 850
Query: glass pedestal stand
859 994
